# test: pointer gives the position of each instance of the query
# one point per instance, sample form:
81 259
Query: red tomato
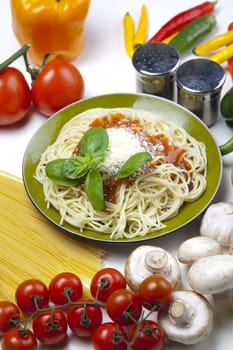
149 336
84 319
105 282
9 314
63 284
15 96
16 339
123 307
30 290
50 327
58 84
155 291
109 336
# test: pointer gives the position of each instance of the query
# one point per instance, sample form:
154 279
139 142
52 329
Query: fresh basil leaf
133 163
93 187
76 167
54 172
94 143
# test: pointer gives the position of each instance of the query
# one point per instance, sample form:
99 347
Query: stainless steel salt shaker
155 65
199 83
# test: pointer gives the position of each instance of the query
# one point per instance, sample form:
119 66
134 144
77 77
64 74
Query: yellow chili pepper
214 43
141 32
222 55
128 24
50 26
169 38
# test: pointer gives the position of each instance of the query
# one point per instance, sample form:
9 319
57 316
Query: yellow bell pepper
50 26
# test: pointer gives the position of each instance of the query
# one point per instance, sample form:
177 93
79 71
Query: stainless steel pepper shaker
155 65
199 83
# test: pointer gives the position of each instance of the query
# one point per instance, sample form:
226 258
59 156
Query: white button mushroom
212 275
188 320
217 223
147 260
198 247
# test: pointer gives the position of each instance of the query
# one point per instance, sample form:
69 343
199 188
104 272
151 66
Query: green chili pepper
193 32
227 147
226 105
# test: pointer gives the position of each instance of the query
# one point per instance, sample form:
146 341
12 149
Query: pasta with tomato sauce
141 203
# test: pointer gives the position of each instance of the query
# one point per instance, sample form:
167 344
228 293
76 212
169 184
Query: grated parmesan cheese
122 145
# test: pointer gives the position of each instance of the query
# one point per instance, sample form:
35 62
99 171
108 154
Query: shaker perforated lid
200 76
156 59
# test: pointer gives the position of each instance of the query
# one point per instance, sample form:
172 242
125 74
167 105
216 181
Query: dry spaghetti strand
30 247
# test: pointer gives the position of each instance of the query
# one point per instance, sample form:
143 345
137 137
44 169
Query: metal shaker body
199 83
156 65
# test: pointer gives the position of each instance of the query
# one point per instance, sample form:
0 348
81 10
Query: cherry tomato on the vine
17 339
105 282
84 319
15 96
155 291
30 292
9 315
63 284
148 336
58 84
50 327
109 336
124 307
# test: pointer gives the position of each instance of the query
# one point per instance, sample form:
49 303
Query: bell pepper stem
227 147
21 52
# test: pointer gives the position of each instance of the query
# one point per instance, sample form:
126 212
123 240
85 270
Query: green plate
165 109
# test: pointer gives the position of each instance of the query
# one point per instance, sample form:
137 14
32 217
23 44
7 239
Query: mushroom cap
200 325
145 260
212 275
217 223
198 247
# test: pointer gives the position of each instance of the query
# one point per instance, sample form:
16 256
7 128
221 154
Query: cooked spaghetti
141 203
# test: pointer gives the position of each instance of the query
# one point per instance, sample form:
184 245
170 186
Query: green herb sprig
83 168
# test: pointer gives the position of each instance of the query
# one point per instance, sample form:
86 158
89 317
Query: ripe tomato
123 307
63 284
17 339
26 293
84 319
58 84
50 327
105 282
9 314
109 336
15 96
155 290
149 336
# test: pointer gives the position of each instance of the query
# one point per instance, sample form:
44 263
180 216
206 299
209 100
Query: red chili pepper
230 61
183 18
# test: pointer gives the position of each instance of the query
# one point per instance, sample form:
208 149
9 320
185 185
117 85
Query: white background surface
107 69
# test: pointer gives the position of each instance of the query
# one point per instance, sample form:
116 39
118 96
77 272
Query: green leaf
133 164
76 167
93 187
54 172
94 143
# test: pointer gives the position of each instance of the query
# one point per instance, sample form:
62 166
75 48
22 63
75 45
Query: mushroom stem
156 261
230 252
181 313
